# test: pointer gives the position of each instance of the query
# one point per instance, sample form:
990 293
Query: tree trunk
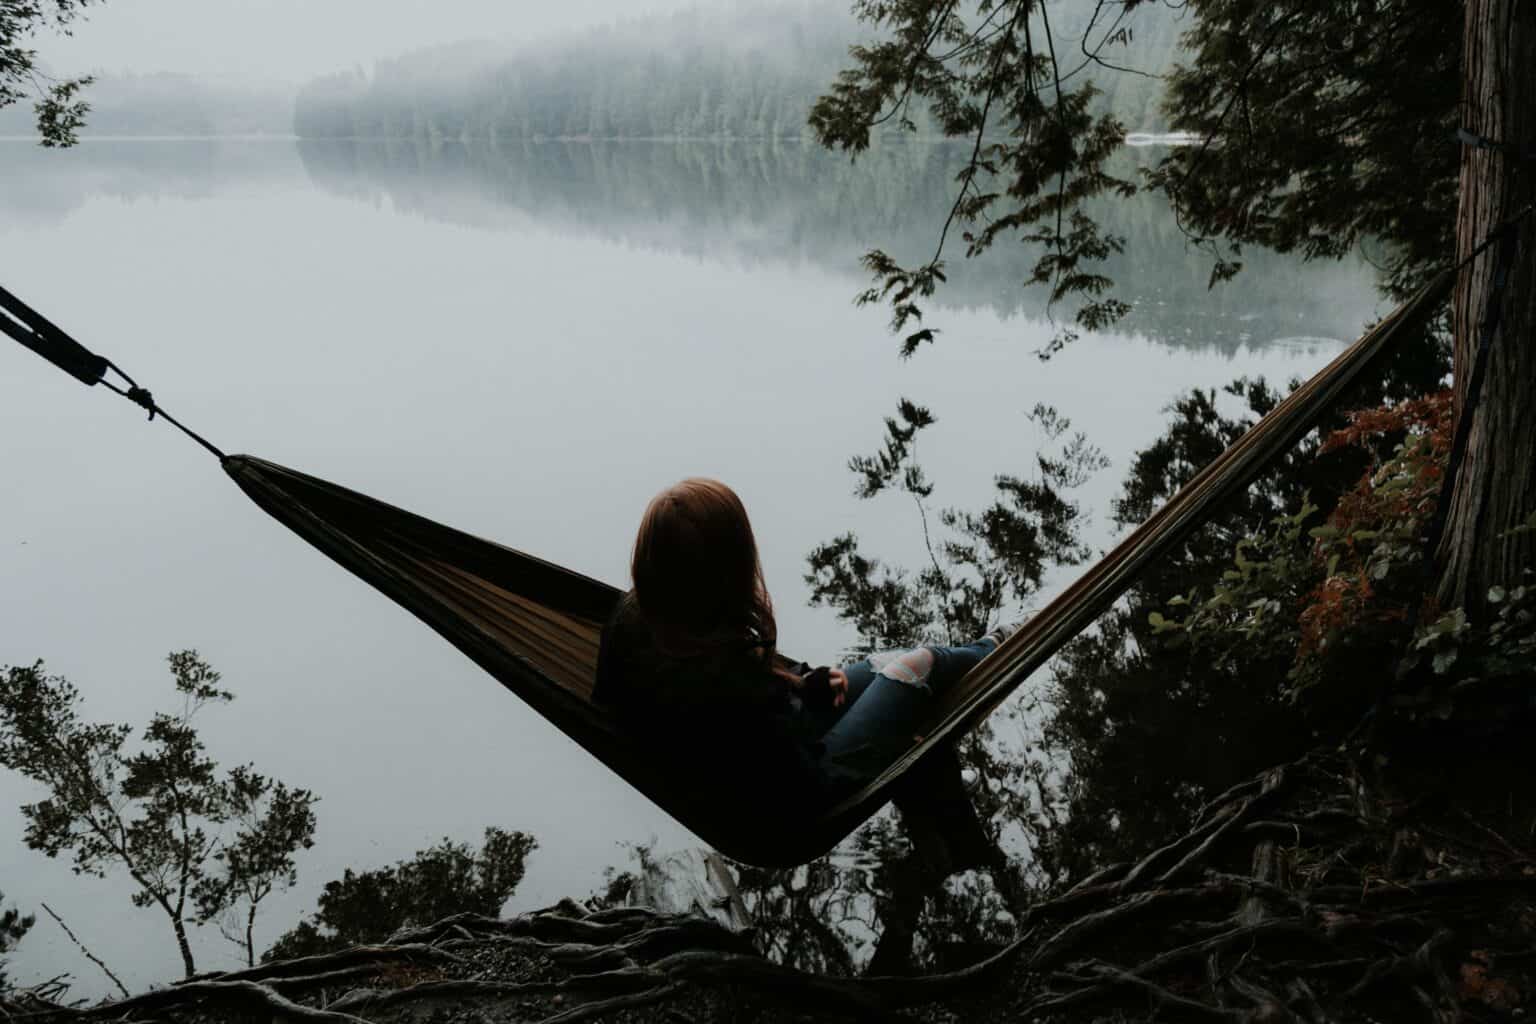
182 944
1495 489
250 938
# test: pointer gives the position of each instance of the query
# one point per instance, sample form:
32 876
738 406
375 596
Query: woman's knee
949 664
911 668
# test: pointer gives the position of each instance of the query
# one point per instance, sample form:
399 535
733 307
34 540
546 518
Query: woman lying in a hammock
689 659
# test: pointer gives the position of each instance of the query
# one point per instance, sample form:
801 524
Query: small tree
12 927
188 837
274 823
363 907
60 110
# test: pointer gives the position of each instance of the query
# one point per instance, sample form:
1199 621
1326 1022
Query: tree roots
1294 898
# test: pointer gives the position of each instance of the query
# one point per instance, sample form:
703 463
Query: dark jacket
723 722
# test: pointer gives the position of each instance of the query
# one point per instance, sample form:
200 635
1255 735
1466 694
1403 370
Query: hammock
535 626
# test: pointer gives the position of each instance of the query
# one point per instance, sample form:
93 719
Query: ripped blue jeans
890 697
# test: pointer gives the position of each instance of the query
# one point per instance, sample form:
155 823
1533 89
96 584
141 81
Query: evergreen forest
731 72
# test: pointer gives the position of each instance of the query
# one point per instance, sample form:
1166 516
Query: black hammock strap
535 626
34 331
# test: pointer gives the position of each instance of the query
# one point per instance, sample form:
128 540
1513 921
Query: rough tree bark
1496 487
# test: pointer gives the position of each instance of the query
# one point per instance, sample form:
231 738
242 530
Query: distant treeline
172 104
745 72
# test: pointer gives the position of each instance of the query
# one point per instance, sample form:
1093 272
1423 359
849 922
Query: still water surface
527 344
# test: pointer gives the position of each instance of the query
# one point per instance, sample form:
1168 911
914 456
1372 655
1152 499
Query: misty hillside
172 104
742 71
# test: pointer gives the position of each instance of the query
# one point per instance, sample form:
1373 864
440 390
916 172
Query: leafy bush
1308 592
12 927
1504 649
363 907
1337 598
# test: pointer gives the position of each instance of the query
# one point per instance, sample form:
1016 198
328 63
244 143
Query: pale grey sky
294 39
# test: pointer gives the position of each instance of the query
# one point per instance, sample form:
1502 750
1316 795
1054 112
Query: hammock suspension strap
1476 141
34 331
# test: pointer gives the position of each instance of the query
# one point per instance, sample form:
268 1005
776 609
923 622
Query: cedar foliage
1319 126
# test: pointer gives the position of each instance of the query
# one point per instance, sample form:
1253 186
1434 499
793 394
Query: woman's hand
823 687
839 684
810 680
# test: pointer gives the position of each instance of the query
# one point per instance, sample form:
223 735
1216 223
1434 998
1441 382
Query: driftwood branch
92 957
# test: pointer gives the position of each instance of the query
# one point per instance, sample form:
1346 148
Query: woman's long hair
698 582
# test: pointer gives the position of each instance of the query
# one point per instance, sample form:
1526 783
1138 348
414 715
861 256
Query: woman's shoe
1002 632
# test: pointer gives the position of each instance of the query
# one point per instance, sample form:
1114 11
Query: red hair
698 582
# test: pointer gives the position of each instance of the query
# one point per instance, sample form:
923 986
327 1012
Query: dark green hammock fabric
535 626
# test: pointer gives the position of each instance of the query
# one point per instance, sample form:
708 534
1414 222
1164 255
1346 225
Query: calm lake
526 343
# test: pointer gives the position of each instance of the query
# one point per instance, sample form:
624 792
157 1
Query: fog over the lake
294 39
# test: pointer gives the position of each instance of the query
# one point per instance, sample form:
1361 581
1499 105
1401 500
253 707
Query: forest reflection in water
747 203
756 203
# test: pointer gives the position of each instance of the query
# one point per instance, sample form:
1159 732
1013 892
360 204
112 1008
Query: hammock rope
534 625
36 332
